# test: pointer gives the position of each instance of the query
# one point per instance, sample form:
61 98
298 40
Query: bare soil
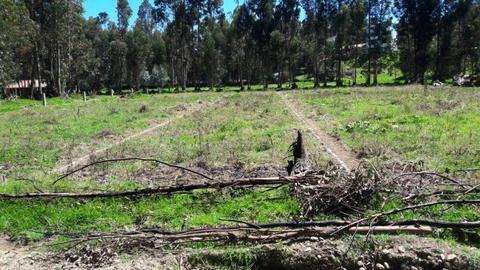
13 256
398 252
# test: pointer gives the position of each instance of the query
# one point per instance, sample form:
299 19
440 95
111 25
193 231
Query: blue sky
93 7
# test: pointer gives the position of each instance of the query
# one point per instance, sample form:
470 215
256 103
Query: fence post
44 100
84 96
111 92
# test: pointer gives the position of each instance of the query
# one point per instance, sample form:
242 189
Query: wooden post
44 100
111 92
84 96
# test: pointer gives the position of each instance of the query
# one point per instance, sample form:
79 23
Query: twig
31 182
472 189
242 222
133 159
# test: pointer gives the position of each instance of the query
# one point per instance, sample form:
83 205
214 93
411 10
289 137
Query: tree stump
300 165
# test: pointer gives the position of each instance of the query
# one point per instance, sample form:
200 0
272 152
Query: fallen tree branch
407 208
438 224
152 191
327 226
251 234
132 159
455 181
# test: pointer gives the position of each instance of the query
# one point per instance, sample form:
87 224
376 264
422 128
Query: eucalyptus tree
18 42
316 26
416 29
356 35
263 26
287 14
146 17
379 16
242 47
138 50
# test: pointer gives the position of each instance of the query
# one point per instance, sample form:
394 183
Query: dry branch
132 159
426 173
254 235
407 208
272 232
160 190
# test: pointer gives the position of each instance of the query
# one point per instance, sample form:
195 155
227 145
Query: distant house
23 88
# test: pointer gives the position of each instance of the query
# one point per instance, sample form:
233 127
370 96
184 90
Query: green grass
439 127
249 128
245 129
32 220
35 138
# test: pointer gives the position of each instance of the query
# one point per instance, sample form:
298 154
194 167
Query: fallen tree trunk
281 231
161 190
254 235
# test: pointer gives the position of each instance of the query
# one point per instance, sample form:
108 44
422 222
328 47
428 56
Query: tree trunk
280 79
316 71
339 73
369 43
32 77
39 69
241 78
59 70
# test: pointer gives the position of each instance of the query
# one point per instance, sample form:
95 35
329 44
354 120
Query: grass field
239 133
439 127
232 134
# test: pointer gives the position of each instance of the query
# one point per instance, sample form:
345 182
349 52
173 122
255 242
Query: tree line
193 43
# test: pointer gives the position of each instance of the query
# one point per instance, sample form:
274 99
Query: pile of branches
335 191
341 193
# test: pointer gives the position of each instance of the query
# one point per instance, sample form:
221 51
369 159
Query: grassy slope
439 127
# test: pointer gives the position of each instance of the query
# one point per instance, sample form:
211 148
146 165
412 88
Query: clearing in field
200 180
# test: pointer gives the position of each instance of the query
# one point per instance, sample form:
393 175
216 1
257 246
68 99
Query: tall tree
286 20
146 19
416 29
124 12
379 35
263 10
138 51
242 47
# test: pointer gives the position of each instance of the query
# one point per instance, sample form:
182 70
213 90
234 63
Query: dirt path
83 160
336 149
